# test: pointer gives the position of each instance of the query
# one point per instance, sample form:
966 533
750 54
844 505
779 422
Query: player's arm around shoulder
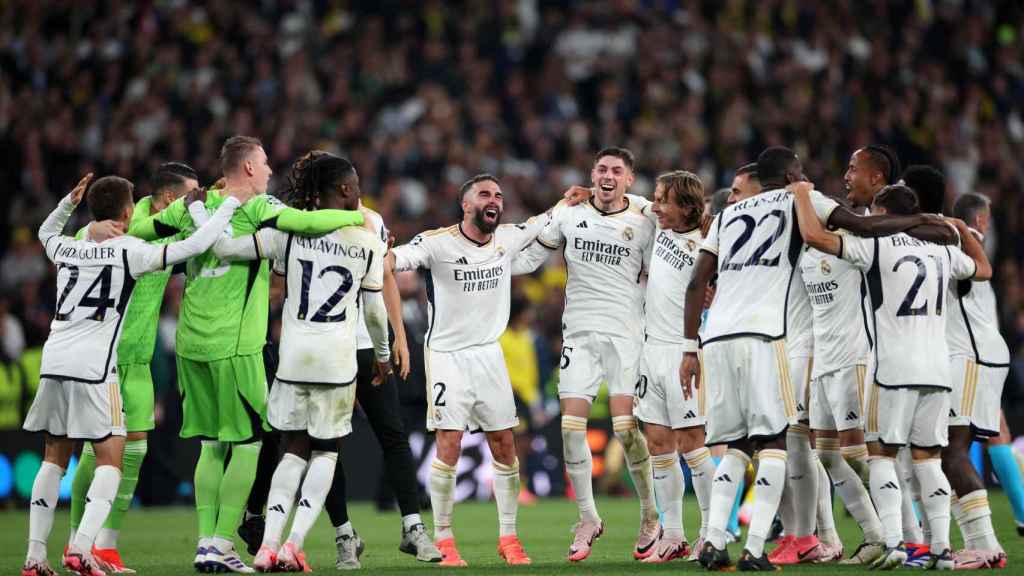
811 229
972 253
143 257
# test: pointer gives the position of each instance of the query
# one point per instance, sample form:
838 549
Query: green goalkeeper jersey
138 336
226 305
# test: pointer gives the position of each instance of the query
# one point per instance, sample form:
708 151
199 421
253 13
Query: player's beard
482 224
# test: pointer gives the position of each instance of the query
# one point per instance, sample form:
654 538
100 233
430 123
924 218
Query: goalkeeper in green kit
134 352
221 331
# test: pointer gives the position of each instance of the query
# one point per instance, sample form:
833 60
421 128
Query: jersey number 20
323 313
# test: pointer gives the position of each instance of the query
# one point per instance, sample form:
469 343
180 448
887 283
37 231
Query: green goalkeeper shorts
224 400
136 382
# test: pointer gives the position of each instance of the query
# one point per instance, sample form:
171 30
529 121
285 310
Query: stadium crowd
421 95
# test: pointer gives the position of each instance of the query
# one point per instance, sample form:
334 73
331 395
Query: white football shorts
469 390
659 394
901 416
837 399
324 412
977 395
589 358
77 410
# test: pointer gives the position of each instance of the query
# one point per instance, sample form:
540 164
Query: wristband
690 346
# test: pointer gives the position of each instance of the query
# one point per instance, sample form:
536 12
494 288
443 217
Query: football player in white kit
908 396
672 424
79 396
607 244
978 368
313 395
749 393
468 269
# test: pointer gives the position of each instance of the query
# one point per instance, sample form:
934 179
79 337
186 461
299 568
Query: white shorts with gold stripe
837 399
469 390
976 396
800 377
901 416
748 389
77 410
658 397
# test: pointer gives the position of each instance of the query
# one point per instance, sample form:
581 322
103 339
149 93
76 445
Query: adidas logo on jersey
939 492
723 478
304 503
690 414
851 416
762 482
40 502
276 508
890 485
462 261
582 224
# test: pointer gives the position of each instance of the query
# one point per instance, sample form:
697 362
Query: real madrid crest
627 233
501 251
825 268
691 245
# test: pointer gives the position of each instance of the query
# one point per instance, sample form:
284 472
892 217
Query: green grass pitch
161 542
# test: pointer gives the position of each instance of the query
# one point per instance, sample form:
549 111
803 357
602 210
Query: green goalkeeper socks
80 485
208 478
131 463
234 490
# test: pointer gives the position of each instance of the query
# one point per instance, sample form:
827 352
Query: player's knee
659 443
690 439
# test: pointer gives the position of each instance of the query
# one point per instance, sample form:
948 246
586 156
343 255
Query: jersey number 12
323 313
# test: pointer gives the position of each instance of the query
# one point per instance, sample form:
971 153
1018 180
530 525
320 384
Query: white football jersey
908 283
94 286
672 263
605 257
800 319
836 292
469 285
973 326
758 243
376 223
323 275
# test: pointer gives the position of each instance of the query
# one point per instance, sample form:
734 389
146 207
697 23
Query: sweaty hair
898 199
108 197
468 184
172 174
968 206
749 170
621 153
235 150
884 160
930 186
686 191
313 177
773 163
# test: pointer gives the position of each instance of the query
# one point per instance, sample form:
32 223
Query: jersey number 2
323 313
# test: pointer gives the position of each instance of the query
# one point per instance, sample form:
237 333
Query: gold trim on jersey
785 384
438 231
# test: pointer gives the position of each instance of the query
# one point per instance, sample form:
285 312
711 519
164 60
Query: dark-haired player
468 269
79 396
980 361
754 247
313 395
222 328
930 185
908 396
171 181
607 243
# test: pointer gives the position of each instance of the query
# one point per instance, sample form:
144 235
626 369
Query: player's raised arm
814 234
54 223
147 258
973 249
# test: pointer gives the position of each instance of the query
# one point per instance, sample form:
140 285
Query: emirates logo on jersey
825 268
627 233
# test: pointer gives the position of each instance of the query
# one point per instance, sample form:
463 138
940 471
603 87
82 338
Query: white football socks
850 489
45 491
638 460
935 492
506 495
975 520
98 502
886 492
771 478
728 476
315 487
702 472
912 531
826 519
283 486
579 466
668 491
801 482
442 498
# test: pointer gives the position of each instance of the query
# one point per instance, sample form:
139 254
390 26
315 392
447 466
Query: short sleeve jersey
324 276
672 264
908 283
606 254
94 286
836 295
758 246
226 305
469 285
972 329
